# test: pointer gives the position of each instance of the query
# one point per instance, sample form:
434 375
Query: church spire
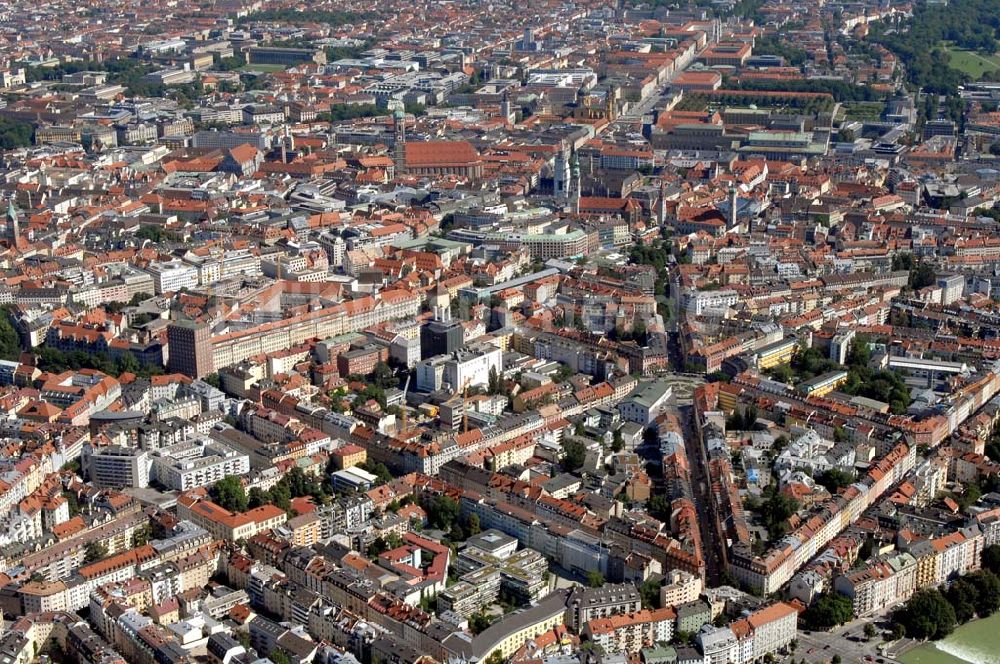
13 230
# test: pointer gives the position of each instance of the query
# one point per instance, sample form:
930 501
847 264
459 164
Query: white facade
471 368
193 464
697 302
172 276
116 467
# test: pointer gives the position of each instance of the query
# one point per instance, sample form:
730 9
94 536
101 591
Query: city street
711 546
847 640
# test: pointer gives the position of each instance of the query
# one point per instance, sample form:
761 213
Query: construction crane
465 406
404 408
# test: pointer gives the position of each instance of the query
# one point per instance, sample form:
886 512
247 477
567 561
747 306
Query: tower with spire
733 206
12 231
399 140
561 178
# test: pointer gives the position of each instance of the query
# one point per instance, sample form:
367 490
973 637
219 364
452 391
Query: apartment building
719 645
680 587
945 558
222 523
629 633
879 586
586 604
115 466
191 464
773 628
474 591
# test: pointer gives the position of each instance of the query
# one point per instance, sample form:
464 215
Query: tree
835 479
473 525
595 579
72 502
859 354
10 342
382 544
922 276
257 497
378 469
213 380
617 444
442 512
828 610
658 506
962 595
495 382
987 586
775 511
384 376
574 455
281 496
229 494
93 552
142 535
243 637
650 593
279 657
563 373
835 659
927 615
478 622
14 134
870 631
991 558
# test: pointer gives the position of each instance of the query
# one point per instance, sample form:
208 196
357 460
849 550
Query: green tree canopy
828 610
574 454
927 615
229 494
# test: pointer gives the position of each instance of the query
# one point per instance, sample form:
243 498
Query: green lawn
972 63
863 110
263 68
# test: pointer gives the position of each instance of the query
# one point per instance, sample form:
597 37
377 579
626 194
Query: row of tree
230 494
332 18
840 90
56 361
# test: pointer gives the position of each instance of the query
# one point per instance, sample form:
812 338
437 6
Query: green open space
270 69
863 110
972 63
974 642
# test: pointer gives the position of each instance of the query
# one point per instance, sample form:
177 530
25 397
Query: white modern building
115 467
646 402
196 463
172 276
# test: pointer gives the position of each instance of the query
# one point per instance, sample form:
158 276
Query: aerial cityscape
500 332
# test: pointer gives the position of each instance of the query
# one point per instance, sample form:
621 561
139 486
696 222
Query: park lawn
863 110
972 63
270 69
